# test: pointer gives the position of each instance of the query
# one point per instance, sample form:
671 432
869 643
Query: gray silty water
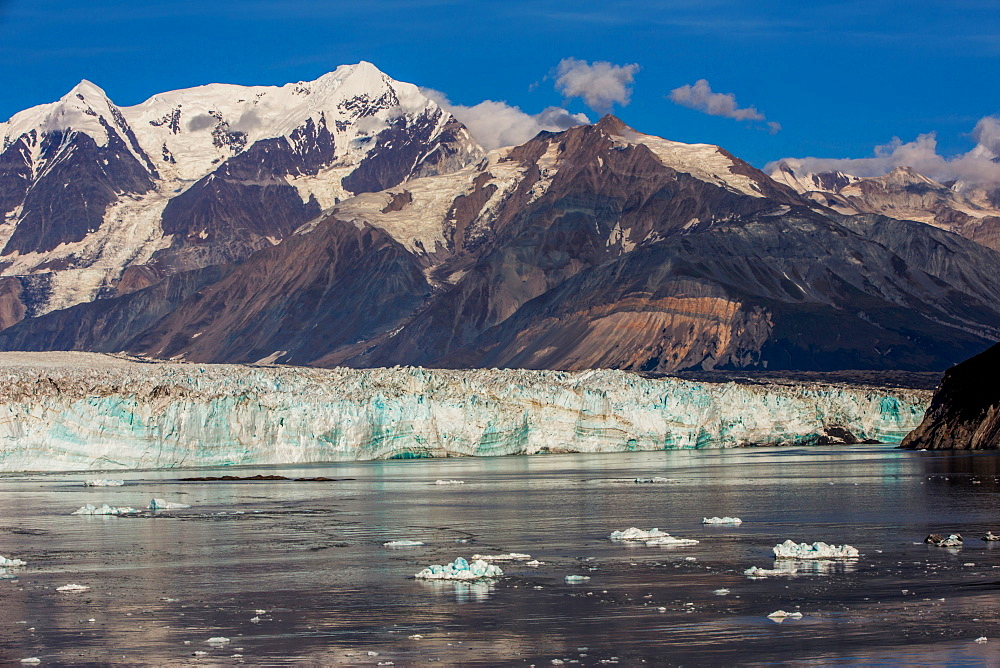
310 555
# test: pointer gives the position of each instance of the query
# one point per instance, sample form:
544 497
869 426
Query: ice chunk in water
818 550
403 543
91 509
449 482
160 504
757 572
104 482
652 537
637 534
577 578
722 520
781 614
10 563
72 588
218 640
954 540
460 569
513 556
34 660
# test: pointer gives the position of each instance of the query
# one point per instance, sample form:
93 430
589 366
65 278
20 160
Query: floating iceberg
667 539
10 563
513 556
781 614
818 550
460 569
104 482
721 592
218 640
760 573
576 578
91 509
72 588
449 482
403 543
160 504
990 537
954 540
636 534
721 520
652 537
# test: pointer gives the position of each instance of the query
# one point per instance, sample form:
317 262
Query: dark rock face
965 411
80 181
335 286
596 253
108 325
403 150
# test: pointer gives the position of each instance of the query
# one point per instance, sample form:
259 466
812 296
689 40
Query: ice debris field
84 411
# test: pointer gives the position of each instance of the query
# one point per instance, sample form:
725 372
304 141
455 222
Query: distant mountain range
352 221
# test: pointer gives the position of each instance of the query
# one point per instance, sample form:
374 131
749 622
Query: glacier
86 411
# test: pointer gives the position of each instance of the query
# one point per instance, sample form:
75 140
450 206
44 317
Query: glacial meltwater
295 569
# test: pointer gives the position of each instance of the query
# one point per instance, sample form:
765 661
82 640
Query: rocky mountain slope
595 247
965 411
99 200
67 411
973 213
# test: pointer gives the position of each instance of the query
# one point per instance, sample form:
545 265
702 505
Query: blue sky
839 77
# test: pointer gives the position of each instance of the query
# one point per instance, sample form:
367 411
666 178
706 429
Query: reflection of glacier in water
815 566
475 591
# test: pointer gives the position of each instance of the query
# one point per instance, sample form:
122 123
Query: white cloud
494 124
600 84
701 97
976 167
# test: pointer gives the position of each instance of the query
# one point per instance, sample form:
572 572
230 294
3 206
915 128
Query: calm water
310 555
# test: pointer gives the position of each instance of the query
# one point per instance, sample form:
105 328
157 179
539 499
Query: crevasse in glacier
76 411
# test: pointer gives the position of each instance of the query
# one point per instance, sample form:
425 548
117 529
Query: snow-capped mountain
595 247
99 200
903 194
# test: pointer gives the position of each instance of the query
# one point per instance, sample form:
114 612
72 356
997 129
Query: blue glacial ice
460 569
83 411
818 550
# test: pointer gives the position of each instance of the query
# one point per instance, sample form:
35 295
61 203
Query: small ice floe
722 520
218 640
655 480
72 588
534 563
512 556
91 509
34 660
255 620
460 569
449 482
954 540
761 573
416 636
990 537
652 537
160 504
818 550
576 578
781 615
403 543
10 563
982 639
103 482
721 592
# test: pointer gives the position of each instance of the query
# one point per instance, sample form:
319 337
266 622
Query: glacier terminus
85 411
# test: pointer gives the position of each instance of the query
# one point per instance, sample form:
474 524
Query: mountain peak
85 90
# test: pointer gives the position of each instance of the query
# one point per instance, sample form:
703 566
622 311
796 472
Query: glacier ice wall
75 411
